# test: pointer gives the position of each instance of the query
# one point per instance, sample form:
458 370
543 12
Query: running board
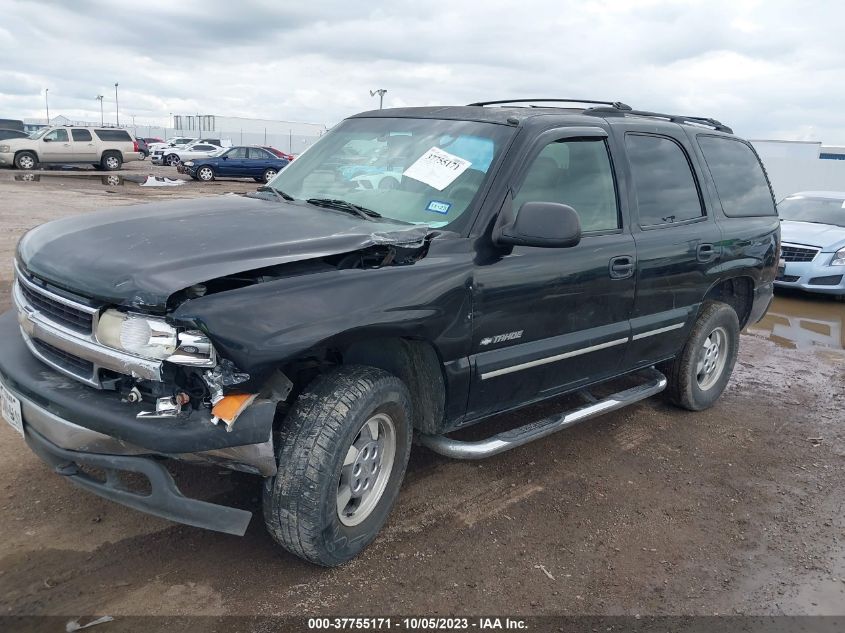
457 449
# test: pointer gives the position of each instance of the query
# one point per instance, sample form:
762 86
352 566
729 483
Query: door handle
706 253
621 267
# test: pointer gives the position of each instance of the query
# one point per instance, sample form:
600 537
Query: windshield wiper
343 205
281 195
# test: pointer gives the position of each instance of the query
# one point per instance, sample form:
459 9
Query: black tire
301 504
269 174
111 161
26 160
171 159
690 385
204 173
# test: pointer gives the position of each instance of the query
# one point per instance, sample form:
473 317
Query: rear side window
113 135
739 177
260 154
663 180
80 135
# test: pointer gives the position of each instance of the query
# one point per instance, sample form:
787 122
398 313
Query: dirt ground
649 510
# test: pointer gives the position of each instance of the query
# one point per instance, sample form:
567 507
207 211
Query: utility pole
116 105
100 99
47 103
380 92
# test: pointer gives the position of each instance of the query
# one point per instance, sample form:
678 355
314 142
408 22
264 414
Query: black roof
503 113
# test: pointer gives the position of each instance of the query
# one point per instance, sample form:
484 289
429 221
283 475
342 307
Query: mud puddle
804 322
109 180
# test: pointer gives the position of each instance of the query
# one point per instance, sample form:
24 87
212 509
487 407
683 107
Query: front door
56 147
235 162
547 320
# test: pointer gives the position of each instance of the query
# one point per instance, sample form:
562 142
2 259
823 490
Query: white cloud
767 69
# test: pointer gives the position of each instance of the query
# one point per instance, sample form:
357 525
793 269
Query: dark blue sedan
237 162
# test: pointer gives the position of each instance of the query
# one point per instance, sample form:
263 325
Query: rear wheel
205 173
269 174
343 452
26 160
111 161
699 374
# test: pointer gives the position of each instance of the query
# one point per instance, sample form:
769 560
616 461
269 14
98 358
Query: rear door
678 240
259 160
84 149
547 320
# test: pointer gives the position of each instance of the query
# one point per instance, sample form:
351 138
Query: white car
179 141
175 155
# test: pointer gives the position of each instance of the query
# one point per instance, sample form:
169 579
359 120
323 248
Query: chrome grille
73 318
794 253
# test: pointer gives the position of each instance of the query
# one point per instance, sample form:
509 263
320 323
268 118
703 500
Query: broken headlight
154 338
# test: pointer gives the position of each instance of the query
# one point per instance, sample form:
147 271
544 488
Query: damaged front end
168 381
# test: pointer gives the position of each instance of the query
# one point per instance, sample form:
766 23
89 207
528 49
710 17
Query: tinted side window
663 181
238 152
577 173
80 135
113 135
56 135
204 148
738 175
254 152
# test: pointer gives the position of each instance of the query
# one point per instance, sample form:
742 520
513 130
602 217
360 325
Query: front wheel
699 374
26 160
343 452
172 160
205 173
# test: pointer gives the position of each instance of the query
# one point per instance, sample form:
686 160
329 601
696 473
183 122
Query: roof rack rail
616 105
673 118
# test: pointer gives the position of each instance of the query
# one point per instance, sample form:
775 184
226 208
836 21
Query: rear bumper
763 296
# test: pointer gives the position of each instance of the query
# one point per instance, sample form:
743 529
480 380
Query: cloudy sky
770 69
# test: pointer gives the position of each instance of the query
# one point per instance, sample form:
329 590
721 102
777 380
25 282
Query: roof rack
673 118
616 105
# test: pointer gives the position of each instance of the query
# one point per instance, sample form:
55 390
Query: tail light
135 146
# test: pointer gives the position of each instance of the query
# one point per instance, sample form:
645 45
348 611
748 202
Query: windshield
422 171
818 210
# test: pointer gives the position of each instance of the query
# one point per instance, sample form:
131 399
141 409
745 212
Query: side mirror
225 157
545 224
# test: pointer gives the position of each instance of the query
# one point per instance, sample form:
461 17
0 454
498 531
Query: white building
289 136
802 166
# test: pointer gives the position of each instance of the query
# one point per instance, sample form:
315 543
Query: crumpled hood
138 256
827 236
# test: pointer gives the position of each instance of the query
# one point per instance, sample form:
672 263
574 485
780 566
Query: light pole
380 92
47 103
116 105
100 99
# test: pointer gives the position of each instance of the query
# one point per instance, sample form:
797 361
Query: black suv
417 271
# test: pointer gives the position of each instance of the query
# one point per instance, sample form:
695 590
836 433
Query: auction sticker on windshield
10 408
437 168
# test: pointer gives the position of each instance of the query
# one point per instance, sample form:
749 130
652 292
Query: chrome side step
457 449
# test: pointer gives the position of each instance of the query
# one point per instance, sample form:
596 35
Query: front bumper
7 159
164 499
68 424
182 168
157 159
815 276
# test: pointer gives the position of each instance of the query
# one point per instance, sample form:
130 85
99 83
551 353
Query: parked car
106 148
813 248
279 153
143 148
306 331
237 162
174 155
152 139
7 134
179 141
